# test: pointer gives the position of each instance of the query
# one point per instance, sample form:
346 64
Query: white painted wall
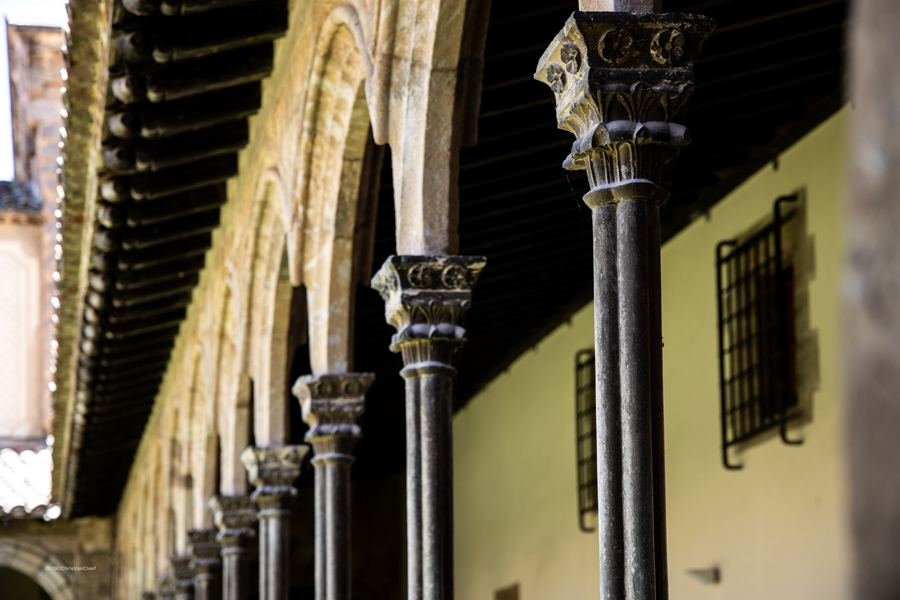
22 406
775 529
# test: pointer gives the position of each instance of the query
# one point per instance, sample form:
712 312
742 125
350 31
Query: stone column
618 80
206 563
183 577
331 404
870 343
273 472
426 299
234 517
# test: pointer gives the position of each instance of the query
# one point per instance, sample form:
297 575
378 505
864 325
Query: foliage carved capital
204 549
331 404
234 515
164 590
426 299
618 80
182 574
273 471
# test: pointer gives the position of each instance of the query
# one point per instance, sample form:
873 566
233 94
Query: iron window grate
586 436
755 313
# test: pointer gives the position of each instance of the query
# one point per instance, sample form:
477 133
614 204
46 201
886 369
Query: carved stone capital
426 299
618 80
273 472
331 404
164 590
234 517
182 575
204 549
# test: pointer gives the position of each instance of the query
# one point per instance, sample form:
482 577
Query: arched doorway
19 586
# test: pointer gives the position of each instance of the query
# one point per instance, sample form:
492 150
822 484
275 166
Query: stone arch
335 135
181 482
157 512
202 449
168 464
233 402
269 308
32 560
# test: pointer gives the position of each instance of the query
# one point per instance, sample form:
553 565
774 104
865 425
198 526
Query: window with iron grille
586 439
756 335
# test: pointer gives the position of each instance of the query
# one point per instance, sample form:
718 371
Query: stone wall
35 64
70 560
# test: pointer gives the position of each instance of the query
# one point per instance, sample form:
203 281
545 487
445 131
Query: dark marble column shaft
618 80
426 299
235 517
206 562
331 404
273 472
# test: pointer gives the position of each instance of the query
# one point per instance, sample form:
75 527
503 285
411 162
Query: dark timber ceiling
185 75
769 73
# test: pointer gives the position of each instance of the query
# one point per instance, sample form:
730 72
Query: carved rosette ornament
426 299
628 75
331 405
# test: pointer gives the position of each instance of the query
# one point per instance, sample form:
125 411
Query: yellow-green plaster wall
776 529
